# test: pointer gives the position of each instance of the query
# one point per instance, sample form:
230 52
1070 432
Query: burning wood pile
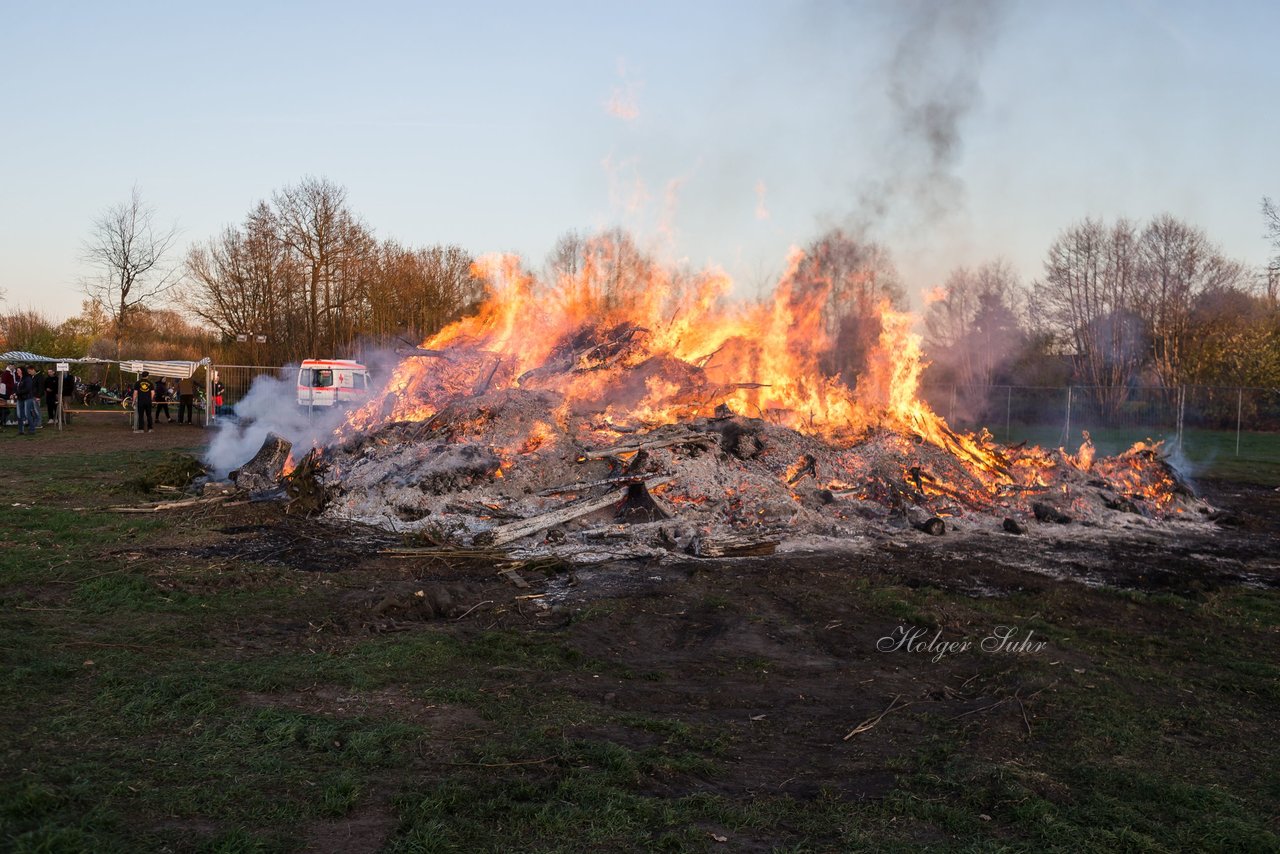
551 422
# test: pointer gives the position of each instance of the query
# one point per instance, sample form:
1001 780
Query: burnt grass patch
237 679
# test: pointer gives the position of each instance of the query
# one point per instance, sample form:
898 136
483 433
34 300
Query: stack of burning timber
689 429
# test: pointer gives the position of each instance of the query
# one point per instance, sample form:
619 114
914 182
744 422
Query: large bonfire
563 415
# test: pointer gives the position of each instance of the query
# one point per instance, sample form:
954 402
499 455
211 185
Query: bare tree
246 281
852 277
973 326
417 292
1177 265
564 263
332 245
1272 216
1089 295
128 253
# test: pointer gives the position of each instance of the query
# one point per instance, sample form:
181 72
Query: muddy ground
787 655
780 687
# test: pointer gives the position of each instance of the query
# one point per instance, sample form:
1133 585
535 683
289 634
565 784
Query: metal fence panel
1203 422
238 379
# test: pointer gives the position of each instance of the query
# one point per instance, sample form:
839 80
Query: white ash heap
495 469
663 420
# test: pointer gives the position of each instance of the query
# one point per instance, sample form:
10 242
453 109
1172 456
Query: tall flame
761 359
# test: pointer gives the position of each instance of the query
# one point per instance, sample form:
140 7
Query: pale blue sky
487 126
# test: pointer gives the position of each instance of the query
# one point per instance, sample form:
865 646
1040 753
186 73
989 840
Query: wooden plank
504 534
687 439
743 545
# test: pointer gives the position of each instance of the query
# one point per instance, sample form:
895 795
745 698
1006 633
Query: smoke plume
932 83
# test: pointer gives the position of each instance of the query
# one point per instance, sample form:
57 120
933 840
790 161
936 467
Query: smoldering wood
504 534
264 470
482 385
624 480
619 450
808 468
638 505
583 353
735 545
1047 513
307 495
933 526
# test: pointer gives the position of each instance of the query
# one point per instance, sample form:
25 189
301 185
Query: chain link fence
238 379
1205 424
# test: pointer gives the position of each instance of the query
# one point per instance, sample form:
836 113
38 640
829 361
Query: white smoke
271 406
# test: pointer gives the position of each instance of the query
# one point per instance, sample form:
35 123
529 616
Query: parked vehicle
332 382
94 394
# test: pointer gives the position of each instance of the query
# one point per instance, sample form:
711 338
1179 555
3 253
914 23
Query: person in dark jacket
143 390
68 394
50 386
162 400
26 404
33 402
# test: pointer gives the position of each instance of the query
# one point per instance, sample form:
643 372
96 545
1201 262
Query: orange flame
624 345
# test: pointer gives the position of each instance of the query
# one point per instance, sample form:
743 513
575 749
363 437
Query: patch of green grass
171 469
147 710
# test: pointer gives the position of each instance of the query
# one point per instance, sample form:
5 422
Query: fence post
1182 408
1008 405
951 412
1239 410
1066 431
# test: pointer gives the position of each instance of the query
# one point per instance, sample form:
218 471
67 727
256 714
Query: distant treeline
1116 305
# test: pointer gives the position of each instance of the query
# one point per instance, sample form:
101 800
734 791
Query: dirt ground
106 431
783 657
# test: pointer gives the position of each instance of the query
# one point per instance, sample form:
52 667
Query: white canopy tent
174 369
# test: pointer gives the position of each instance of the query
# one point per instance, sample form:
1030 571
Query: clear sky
721 132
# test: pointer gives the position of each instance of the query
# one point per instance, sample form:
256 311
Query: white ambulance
332 382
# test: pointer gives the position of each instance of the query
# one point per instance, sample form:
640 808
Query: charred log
745 545
307 495
504 534
1046 513
263 471
933 526
639 506
807 466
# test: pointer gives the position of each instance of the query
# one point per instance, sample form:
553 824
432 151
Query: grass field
160 703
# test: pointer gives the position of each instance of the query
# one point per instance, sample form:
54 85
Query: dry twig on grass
168 505
870 723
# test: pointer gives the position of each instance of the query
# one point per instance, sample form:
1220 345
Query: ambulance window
358 381
323 378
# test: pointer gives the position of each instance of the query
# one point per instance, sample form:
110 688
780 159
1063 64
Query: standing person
7 390
218 390
33 402
186 399
23 395
51 395
68 393
162 400
143 389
